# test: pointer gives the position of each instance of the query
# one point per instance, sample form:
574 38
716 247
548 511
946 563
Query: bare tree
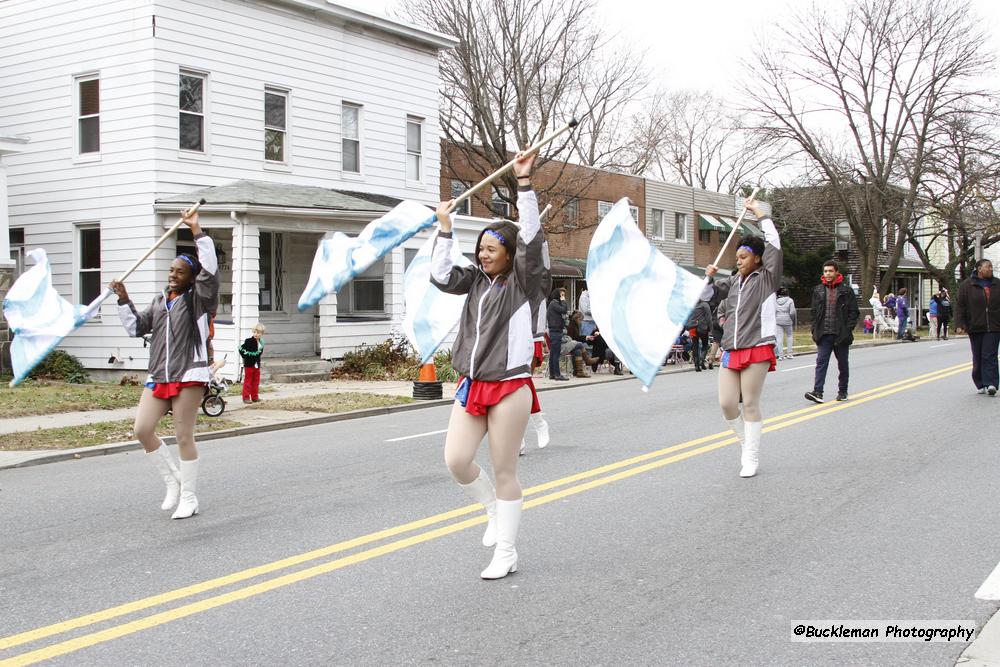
522 68
705 144
961 190
859 92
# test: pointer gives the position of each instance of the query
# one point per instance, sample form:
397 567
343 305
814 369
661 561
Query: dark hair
755 243
902 291
979 263
505 228
193 261
782 291
833 263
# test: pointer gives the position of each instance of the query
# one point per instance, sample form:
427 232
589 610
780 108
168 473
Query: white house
293 118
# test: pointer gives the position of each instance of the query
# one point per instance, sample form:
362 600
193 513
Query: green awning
709 223
745 227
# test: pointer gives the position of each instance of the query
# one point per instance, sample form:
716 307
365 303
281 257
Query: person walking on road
977 312
177 322
835 313
492 352
748 319
786 318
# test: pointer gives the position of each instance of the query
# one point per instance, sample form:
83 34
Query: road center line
778 422
934 347
797 368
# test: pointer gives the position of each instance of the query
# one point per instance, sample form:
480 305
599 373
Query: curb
132 445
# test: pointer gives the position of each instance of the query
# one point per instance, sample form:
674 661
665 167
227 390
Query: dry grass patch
46 397
101 433
343 402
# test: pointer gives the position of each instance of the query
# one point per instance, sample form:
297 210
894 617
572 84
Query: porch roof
282 196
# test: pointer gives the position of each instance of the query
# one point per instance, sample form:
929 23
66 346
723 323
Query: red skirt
737 360
539 355
477 396
167 390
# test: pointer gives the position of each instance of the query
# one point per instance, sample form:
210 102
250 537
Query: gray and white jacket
748 313
495 332
178 349
785 311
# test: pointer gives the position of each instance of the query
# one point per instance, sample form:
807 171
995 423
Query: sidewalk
260 419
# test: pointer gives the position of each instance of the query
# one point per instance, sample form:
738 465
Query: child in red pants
251 351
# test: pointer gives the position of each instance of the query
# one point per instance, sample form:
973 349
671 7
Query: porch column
246 288
327 308
393 285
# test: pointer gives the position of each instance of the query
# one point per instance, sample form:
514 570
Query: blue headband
747 248
186 259
497 235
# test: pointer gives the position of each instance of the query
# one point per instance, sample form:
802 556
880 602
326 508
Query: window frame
78 268
205 142
351 310
276 265
465 208
78 118
285 94
678 217
663 232
572 209
419 154
837 238
498 199
359 109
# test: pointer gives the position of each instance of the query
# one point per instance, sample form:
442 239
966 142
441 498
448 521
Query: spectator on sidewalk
786 319
575 344
699 325
835 314
902 313
589 325
932 315
944 311
977 312
251 351
556 322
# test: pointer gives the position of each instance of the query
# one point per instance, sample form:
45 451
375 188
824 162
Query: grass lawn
43 397
331 402
100 433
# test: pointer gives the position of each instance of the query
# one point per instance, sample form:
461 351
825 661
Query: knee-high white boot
167 468
737 425
505 556
541 427
188 505
481 489
751 449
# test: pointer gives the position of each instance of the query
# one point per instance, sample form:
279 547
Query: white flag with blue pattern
640 299
38 317
430 313
342 258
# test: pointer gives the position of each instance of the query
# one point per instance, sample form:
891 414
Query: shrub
59 365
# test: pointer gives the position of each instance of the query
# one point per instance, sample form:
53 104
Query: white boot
189 486
542 427
164 463
504 556
737 426
751 449
481 489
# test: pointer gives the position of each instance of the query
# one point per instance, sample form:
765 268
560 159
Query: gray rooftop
280 195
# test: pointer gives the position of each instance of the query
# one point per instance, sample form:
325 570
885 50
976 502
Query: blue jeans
985 372
823 349
587 327
555 348
902 325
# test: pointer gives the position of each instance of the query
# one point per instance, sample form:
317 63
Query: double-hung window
457 189
275 125
88 119
271 272
350 133
499 205
657 231
191 110
414 148
680 226
365 295
88 262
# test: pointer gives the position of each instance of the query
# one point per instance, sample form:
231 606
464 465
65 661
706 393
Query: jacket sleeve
136 324
853 312
445 275
773 260
961 306
529 265
585 304
206 284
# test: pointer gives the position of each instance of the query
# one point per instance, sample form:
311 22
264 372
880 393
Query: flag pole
732 232
573 122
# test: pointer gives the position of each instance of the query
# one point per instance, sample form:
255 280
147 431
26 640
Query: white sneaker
981 390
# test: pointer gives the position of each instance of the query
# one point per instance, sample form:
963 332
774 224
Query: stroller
214 404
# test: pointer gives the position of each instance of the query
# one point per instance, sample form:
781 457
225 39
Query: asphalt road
343 544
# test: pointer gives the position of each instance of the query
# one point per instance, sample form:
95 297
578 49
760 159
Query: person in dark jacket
251 351
493 351
556 321
835 314
902 313
700 323
177 321
944 312
977 312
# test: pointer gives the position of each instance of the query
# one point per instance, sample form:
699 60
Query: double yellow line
573 484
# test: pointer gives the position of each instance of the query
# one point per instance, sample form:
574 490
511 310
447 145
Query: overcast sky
698 44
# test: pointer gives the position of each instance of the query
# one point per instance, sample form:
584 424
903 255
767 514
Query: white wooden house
293 118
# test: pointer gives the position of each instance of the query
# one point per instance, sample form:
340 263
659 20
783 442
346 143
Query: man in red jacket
834 315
